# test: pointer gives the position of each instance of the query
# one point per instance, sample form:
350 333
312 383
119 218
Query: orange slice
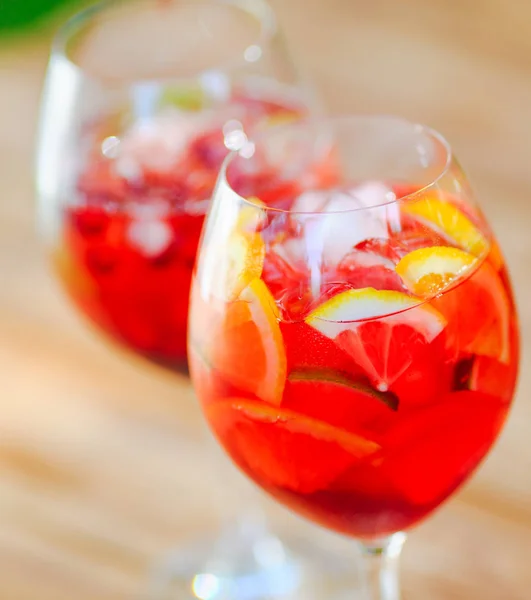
248 349
283 448
245 261
492 377
229 265
383 331
479 315
206 319
452 222
495 256
428 271
251 217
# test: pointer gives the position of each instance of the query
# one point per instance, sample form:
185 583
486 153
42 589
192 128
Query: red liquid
368 431
130 239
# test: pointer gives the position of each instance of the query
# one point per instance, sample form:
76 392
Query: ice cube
307 206
381 198
151 237
157 143
304 255
311 201
128 168
293 252
350 223
154 209
294 273
359 258
372 193
369 269
331 223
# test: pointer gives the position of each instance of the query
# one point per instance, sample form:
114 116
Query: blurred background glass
89 441
141 103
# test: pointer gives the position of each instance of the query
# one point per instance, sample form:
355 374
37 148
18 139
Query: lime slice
342 380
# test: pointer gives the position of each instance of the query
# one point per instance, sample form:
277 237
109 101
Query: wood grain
102 466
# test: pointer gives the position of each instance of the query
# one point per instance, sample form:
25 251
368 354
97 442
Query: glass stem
380 562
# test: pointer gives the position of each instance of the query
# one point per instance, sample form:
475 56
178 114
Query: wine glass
353 337
141 103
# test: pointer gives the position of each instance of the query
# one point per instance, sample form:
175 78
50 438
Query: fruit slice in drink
478 313
384 331
283 448
428 271
446 218
242 262
246 344
341 400
425 456
477 310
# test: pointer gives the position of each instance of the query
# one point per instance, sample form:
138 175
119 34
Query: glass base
250 563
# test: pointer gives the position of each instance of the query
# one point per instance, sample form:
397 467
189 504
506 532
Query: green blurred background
16 15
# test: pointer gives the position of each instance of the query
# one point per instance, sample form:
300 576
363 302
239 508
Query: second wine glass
141 104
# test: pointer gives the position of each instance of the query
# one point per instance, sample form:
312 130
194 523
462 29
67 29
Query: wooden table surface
102 467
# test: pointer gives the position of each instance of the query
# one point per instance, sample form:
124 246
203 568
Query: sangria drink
353 336
130 234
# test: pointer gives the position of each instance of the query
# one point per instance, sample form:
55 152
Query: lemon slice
448 219
428 271
345 310
382 331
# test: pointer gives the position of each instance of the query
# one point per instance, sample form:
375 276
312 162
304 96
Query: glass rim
261 10
334 120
